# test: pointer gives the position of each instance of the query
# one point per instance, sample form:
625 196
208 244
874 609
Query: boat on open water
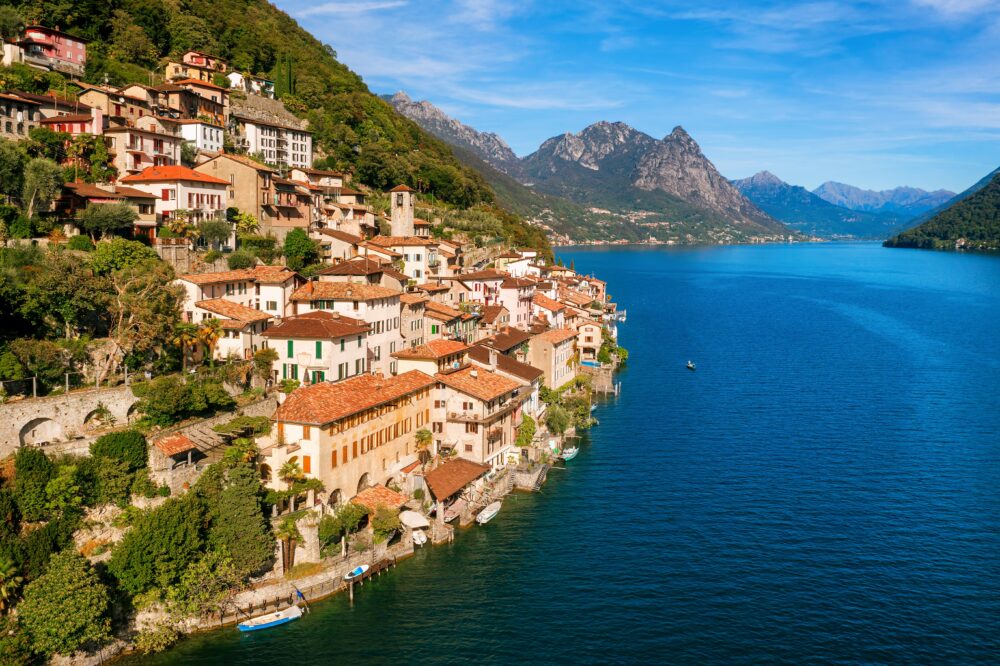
570 453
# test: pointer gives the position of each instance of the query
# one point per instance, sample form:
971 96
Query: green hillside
973 223
354 128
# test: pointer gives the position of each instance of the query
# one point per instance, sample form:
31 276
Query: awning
413 520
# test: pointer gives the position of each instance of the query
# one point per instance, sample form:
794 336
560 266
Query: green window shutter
342 342
291 348
284 371
319 349
295 371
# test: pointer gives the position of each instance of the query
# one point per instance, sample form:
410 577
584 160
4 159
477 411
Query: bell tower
401 204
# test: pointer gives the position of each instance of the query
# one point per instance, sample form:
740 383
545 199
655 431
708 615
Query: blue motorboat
285 616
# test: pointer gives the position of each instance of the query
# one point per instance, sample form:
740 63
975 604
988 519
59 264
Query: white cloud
351 7
959 7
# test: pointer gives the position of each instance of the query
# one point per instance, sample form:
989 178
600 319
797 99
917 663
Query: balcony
494 434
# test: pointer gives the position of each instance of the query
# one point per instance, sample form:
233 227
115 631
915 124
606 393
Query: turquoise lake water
824 489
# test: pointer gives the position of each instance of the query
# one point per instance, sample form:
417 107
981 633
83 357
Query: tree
128 446
300 250
189 154
42 180
290 473
10 583
185 338
384 523
526 432
209 333
99 220
156 551
44 360
423 439
62 493
66 608
263 362
204 586
119 253
32 472
241 259
344 520
246 224
12 159
557 420
129 42
240 528
215 232
11 23
64 295
91 161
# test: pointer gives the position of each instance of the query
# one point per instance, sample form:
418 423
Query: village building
187 101
588 340
265 288
554 353
512 342
516 296
196 65
319 346
363 270
419 255
292 207
377 306
277 143
77 196
484 286
148 142
45 48
549 311
17 116
411 317
242 327
432 357
75 124
251 85
494 319
352 434
476 412
204 136
250 185
335 245
116 105
442 321
530 376
179 188
450 482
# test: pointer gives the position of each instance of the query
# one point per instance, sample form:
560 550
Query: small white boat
419 537
355 573
570 453
489 513
690 365
285 616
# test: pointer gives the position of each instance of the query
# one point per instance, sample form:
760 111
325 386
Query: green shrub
80 243
33 471
128 446
163 491
211 256
240 259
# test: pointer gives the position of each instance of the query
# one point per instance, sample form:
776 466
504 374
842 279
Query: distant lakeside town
231 382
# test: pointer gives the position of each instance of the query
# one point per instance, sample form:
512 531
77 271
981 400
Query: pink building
76 123
54 49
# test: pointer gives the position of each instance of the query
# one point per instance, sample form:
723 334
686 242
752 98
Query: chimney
473 374
493 359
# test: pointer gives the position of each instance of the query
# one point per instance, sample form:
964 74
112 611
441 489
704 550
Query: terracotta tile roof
215 278
344 291
400 241
173 445
317 326
350 191
402 188
516 283
508 339
441 312
272 274
73 118
242 159
319 404
511 366
197 82
91 191
340 235
543 301
431 287
492 312
417 222
447 479
556 335
478 382
412 299
374 497
155 174
433 350
234 311
355 266
488 274
369 247
412 466
574 297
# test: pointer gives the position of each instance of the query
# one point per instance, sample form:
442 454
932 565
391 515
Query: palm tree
185 337
423 438
208 334
291 472
10 581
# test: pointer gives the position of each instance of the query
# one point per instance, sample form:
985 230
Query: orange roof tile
341 291
452 476
173 445
317 326
375 497
556 335
543 301
319 404
402 188
441 312
173 172
478 382
231 310
434 349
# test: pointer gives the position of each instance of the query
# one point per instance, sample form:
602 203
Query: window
343 455
468 448
434 329
355 452
342 342
319 349
306 431
290 345
471 428
333 458
306 464
271 305
295 372
318 376
359 342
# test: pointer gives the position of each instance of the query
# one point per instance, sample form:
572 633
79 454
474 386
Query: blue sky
876 94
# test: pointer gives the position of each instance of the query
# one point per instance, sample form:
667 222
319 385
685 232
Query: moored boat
285 616
570 453
419 537
489 513
355 573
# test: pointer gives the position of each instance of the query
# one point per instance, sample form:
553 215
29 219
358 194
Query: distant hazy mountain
972 222
487 146
906 202
802 210
616 166
628 184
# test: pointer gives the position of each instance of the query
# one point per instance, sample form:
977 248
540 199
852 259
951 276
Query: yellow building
352 434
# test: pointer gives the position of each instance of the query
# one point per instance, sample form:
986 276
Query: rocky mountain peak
759 179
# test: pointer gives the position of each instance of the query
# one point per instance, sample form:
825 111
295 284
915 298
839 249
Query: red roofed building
476 413
554 353
265 288
319 346
353 434
180 188
433 356
45 48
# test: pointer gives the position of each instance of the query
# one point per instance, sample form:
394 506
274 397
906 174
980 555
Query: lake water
825 488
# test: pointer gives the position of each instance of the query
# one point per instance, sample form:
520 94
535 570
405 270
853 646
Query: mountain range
902 202
807 212
628 184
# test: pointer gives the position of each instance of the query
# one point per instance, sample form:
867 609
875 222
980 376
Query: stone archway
98 418
336 498
265 473
363 482
41 431
133 412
